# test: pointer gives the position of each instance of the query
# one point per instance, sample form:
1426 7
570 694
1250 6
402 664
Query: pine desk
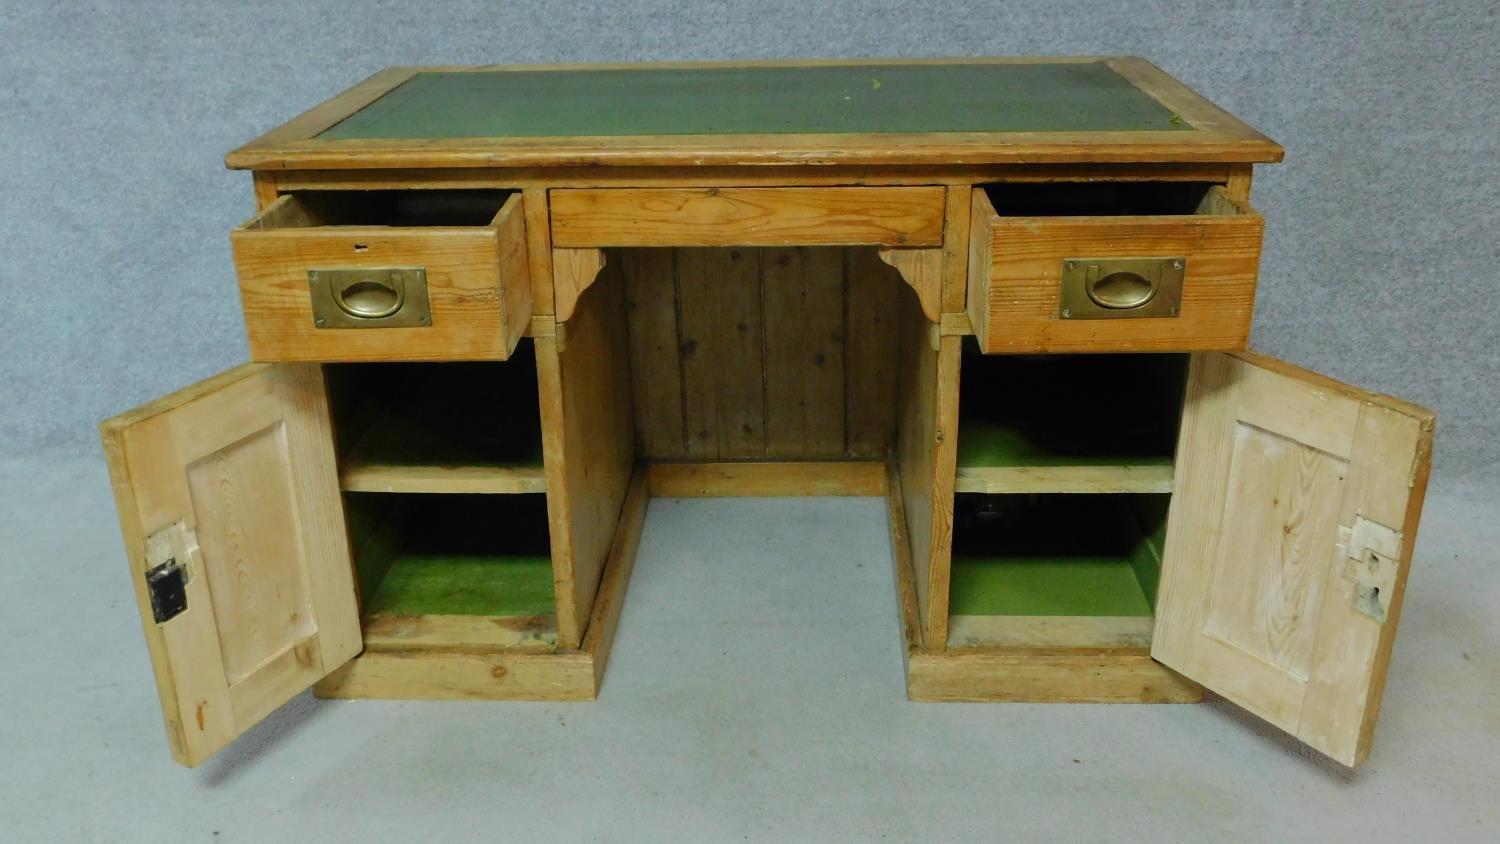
493 310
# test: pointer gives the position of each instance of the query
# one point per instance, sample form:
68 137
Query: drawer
385 276
780 216
1107 267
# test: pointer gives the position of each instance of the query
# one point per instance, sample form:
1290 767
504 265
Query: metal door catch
1372 559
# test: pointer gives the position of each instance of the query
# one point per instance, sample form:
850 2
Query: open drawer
1110 267
385 276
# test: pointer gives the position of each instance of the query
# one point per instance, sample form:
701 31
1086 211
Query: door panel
233 522
1294 515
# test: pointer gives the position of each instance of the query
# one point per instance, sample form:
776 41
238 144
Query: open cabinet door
229 503
1291 529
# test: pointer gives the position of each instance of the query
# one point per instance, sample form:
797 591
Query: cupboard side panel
916 401
944 468
598 441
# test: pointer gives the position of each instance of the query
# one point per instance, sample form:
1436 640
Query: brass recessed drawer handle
378 297
1105 288
1123 289
372 297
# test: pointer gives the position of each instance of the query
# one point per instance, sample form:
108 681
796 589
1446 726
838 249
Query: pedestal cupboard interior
491 317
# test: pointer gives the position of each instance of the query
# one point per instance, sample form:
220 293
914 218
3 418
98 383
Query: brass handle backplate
1115 288
377 297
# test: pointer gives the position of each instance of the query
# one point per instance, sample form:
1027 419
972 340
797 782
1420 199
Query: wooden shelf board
1154 477
1042 631
360 476
387 630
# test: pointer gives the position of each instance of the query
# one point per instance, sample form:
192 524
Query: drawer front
1027 274
315 292
884 216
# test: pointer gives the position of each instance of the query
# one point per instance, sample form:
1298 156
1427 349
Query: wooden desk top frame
1210 135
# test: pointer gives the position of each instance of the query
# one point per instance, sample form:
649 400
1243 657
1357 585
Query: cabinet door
1293 518
229 504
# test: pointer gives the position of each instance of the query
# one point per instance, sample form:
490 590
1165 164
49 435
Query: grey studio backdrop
1381 262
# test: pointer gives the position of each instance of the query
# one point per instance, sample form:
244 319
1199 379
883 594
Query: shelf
454 571
392 477
443 428
1068 424
1141 477
1045 571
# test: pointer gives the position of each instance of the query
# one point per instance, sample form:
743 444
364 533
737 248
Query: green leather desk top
1118 110
868 98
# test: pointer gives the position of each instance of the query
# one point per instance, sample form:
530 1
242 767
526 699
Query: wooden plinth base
1034 675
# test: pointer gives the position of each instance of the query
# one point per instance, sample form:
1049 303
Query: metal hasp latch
169 553
1120 288
377 297
1371 556
166 585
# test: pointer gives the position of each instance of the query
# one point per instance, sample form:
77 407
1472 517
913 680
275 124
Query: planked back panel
774 353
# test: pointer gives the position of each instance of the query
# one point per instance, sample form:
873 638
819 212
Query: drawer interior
1108 199
393 208
1054 570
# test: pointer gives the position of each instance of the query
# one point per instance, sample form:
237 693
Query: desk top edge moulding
492 311
1065 110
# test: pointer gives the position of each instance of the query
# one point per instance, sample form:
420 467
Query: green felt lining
1069 410
465 584
452 554
869 98
1056 555
1148 515
1055 586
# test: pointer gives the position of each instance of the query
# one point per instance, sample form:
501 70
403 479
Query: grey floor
755 693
